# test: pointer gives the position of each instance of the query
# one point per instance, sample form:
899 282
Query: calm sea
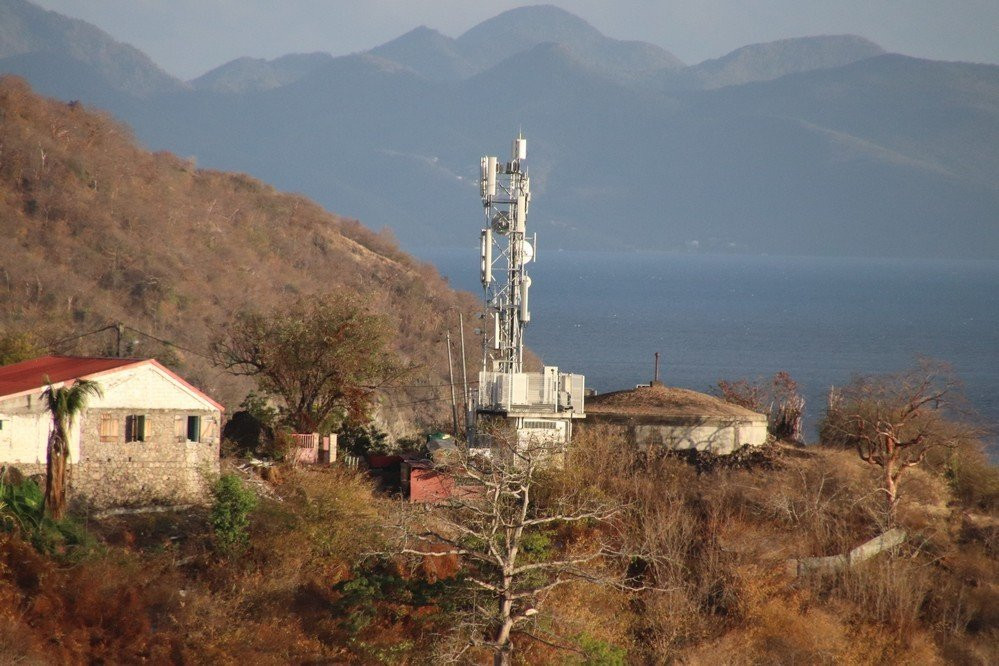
823 320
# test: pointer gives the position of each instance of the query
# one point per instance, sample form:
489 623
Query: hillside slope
100 230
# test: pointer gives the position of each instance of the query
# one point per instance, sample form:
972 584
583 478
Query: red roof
35 374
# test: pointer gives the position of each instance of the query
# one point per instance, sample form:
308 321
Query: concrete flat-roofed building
676 418
540 406
151 438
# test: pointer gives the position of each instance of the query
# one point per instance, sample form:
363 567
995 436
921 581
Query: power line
420 402
398 387
111 327
82 335
168 343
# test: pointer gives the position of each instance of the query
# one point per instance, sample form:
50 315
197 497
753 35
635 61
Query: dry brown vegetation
727 536
716 541
99 230
157 592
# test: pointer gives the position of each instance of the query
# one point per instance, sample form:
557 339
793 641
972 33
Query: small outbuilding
422 481
151 438
676 418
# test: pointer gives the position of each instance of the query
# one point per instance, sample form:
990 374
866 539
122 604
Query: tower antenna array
505 253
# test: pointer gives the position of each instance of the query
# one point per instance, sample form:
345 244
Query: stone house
152 438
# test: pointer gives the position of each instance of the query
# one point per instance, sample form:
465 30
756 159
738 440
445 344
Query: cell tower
539 405
506 195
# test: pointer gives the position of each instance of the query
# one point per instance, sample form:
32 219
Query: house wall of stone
166 468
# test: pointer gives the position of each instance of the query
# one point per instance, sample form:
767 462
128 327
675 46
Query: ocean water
715 317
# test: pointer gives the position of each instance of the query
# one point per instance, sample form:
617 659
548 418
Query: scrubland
307 587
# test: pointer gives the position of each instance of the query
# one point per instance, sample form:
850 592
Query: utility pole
655 376
450 373
464 368
119 330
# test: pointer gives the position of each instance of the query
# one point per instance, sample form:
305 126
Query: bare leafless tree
493 522
777 397
894 421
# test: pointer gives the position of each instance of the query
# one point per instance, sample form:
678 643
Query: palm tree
63 403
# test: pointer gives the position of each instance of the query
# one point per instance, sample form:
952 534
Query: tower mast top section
505 253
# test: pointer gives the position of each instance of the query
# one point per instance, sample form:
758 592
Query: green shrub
21 505
362 440
598 652
22 510
231 513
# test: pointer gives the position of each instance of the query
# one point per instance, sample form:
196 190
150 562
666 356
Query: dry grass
662 400
713 550
159 594
722 539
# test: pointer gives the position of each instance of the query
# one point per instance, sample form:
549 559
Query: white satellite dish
527 251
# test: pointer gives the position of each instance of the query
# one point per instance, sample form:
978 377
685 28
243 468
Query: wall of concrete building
716 436
25 428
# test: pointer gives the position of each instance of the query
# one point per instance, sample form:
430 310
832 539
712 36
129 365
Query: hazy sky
189 37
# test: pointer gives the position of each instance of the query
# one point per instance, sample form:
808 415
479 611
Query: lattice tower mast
506 195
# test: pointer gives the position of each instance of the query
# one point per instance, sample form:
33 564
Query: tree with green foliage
63 404
231 509
322 358
16 347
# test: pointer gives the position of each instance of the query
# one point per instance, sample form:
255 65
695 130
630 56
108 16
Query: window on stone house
194 428
108 428
136 429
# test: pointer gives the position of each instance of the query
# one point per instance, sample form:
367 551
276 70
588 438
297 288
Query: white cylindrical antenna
520 214
519 149
490 176
496 330
525 313
486 257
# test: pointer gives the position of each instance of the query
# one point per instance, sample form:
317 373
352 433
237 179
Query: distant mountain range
817 145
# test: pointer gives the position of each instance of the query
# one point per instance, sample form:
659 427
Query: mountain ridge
27 30
871 157
771 60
